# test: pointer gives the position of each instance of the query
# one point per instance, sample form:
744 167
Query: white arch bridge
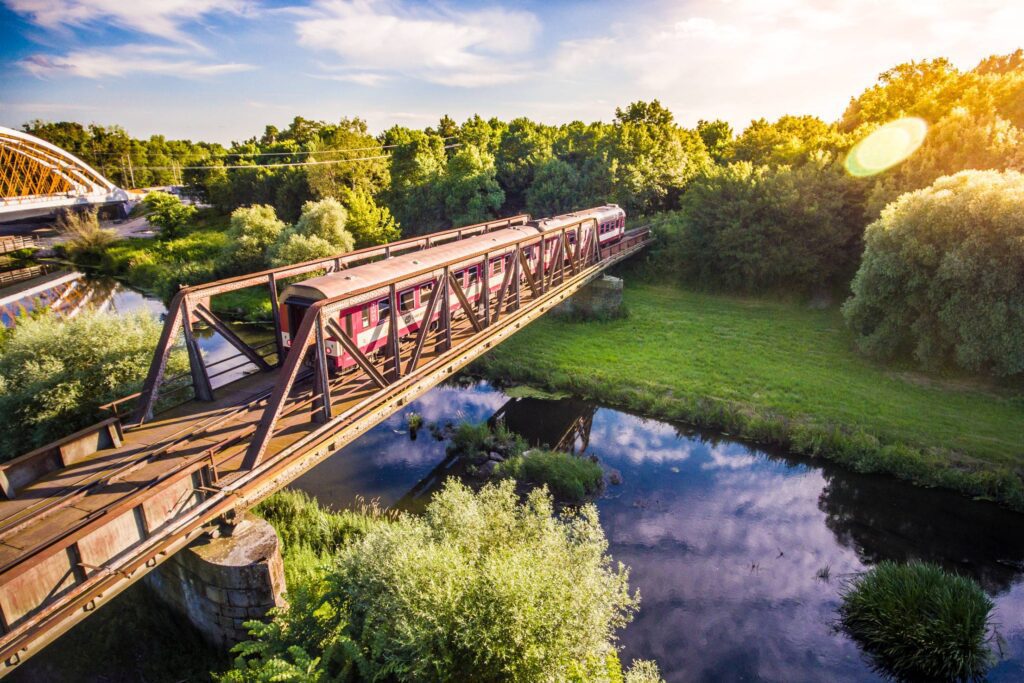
39 179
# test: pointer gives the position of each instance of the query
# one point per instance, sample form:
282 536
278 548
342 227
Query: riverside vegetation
481 587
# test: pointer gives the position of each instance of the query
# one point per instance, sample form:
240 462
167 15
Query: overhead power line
281 154
291 164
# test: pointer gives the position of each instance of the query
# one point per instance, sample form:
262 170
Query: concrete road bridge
83 518
39 179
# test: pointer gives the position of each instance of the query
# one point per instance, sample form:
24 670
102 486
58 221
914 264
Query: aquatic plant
570 478
919 622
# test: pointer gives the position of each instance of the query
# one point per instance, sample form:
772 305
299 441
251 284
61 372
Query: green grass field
784 374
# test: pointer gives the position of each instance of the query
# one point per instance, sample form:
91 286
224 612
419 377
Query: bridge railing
191 305
320 320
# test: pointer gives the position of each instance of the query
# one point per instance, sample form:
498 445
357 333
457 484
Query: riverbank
783 375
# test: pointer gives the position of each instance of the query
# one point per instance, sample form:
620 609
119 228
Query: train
367 320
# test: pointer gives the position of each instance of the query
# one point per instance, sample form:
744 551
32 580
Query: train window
366 317
348 325
474 275
407 300
383 309
499 266
425 291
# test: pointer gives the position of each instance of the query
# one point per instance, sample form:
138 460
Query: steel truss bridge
38 179
85 517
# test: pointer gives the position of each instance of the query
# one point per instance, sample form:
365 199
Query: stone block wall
220 583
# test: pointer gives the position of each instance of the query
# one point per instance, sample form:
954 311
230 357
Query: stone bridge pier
221 581
600 299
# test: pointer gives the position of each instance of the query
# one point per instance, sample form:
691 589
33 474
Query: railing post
446 310
200 377
519 277
321 412
275 308
543 262
485 294
393 348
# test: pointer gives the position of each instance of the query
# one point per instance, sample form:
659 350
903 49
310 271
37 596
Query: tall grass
85 239
919 622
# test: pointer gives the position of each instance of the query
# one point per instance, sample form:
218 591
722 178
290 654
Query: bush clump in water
919 622
570 478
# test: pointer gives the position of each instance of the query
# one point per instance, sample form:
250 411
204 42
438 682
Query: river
739 553
728 543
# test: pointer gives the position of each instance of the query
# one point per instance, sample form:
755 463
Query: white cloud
367 78
126 60
743 58
448 47
163 18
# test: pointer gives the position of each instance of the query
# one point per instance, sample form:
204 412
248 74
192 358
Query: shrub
942 278
918 621
570 478
166 212
320 232
86 240
296 248
253 229
475 441
750 228
54 374
369 223
482 587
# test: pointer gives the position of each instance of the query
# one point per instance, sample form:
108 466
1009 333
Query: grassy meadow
781 374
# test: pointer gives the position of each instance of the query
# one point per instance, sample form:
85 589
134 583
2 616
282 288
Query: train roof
387 270
382 272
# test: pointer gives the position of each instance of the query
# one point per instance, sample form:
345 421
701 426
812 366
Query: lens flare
886 147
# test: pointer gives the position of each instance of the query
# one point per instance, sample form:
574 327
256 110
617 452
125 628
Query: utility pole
131 169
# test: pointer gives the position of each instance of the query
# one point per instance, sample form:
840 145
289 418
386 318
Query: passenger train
366 321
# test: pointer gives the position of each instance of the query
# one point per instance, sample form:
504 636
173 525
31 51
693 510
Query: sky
221 70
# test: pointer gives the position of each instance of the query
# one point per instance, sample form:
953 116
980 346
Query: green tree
353 160
418 166
166 212
557 188
790 140
754 228
369 223
942 273
523 147
319 232
929 88
253 230
471 191
652 159
717 138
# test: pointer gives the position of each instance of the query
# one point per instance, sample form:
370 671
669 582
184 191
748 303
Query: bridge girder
37 174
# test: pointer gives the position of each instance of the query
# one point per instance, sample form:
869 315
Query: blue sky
222 69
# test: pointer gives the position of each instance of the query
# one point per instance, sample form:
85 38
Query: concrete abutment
600 299
220 582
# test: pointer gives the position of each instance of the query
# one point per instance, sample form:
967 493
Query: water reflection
726 541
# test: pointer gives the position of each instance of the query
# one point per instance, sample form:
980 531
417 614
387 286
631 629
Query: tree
523 147
418 165
369 223
651 159
361 166
929 89
755 228
942 278
166 212
253 230
717 138
790 140
471 191
961 140
557 188
319 232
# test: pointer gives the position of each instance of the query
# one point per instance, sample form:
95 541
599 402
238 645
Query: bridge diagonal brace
229 335
197 367
464 303
525 266
334 329
502 291
424 331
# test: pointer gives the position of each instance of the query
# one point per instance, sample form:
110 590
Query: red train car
366 321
